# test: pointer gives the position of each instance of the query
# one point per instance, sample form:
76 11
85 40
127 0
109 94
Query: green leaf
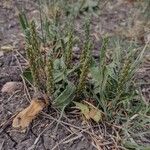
111 68
27 75
66 96
103 51
90 4
58 77
59 70
23 21
95 73
135 146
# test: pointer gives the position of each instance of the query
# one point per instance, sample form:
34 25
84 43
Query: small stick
58 121
2 145
7 123
37 139
9 99
68 124
24 83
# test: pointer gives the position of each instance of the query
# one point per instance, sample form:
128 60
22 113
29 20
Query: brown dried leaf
25 117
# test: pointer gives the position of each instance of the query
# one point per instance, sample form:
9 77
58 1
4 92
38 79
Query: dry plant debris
25 117
6 48
89 111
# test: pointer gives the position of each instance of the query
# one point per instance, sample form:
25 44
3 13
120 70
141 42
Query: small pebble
11 87
1 53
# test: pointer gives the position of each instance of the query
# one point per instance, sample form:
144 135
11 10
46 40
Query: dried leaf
84 109
89 111
25 117
95 113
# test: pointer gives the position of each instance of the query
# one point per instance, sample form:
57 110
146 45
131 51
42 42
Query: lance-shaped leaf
66 96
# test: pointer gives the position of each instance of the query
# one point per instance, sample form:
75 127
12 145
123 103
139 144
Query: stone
11 87
1 53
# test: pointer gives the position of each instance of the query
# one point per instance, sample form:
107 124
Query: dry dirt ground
71 134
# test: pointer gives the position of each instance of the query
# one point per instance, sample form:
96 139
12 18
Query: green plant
111 79
33 50
85 59
108 81
49 75
69 46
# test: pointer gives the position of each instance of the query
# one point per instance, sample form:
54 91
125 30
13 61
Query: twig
92 135
74 138
24 83
68 124
63 140
7 123
20 67
1 146
12 96
58 121
26 90
21 56
37 139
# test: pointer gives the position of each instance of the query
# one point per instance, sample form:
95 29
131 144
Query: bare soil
69 134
